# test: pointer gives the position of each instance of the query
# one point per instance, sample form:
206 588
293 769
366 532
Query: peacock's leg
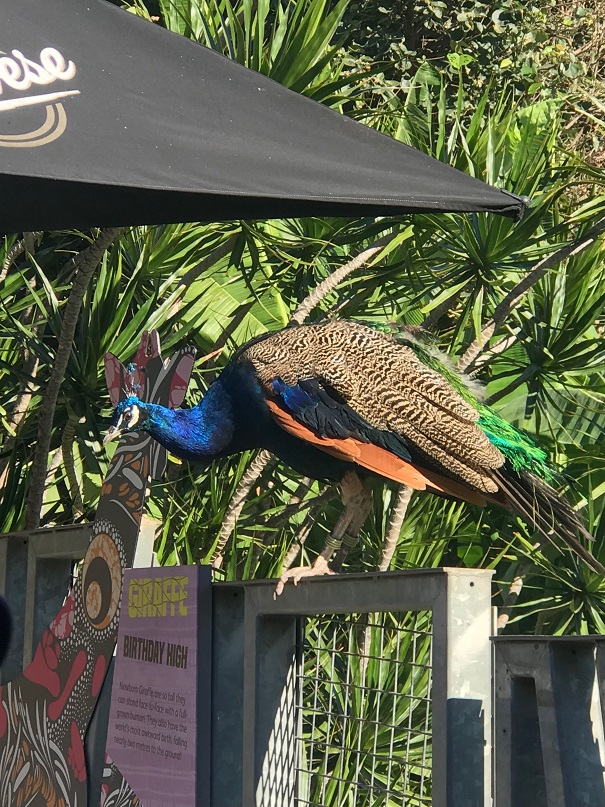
359 508
357 500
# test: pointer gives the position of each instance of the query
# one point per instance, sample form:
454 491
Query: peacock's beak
113 433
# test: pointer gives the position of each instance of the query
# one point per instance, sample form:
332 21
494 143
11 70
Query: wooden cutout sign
44 713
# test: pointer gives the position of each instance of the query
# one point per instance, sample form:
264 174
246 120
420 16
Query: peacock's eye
129 417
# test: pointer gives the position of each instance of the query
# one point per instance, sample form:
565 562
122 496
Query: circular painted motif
101 581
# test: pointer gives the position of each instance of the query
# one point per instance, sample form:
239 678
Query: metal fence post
270 719
550 745
462 691
460 600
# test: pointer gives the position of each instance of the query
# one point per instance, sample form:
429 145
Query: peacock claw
319 568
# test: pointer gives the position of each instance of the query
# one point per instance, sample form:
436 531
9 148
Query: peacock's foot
319 568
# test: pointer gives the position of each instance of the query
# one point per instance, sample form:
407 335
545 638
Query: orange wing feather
374 458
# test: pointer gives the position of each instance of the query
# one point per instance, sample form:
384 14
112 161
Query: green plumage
518 448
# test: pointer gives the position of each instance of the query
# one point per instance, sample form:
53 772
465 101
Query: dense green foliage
539 45
483 115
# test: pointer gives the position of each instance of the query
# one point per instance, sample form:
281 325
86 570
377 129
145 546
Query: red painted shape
180 380
75 753
56 707
114 372
62 624
39 671
50 657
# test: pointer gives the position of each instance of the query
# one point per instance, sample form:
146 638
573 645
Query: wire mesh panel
338 713
364 716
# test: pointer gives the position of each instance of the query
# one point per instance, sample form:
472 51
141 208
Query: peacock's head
130 415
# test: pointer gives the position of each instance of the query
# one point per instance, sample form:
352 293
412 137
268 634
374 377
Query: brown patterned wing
375 459
387 386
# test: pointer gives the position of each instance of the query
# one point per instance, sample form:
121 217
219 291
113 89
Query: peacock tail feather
529 488
518 448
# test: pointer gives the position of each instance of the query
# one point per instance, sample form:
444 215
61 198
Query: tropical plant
499 297
218 285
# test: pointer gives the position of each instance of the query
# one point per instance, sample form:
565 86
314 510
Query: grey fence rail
362 690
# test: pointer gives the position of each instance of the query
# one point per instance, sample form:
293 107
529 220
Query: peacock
341 400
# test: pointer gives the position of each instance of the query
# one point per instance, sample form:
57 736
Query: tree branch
30 362
67 444
22 401
329 284
501 346
400 508
236 505
28 243
85 264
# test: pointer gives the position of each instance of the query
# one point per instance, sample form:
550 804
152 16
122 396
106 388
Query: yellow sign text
159 596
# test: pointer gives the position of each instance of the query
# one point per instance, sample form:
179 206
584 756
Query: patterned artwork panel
44 712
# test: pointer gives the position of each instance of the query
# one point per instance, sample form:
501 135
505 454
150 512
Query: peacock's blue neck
206 430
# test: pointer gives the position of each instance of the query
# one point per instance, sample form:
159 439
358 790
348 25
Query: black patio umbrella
107 119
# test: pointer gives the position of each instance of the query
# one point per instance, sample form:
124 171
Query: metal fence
352 690
356 691
549 721
362 690
365 710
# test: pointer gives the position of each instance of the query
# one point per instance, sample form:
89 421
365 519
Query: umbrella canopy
107 119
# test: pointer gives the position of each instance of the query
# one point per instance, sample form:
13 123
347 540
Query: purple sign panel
152 733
